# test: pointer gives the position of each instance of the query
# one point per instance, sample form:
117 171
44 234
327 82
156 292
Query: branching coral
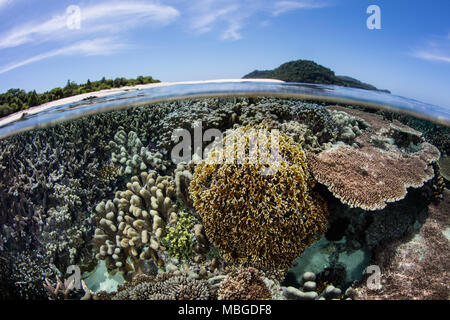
129 152
254 218
212 113
246 284
270 111
130 226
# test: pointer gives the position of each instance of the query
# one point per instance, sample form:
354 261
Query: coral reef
61 238
269 111
65 290
351 173
270 221
128 151
183 177
318 119
212 113
369 178
246 284
348 126
131 226
444 164
163 287
311 291
179 238
27 273
417 266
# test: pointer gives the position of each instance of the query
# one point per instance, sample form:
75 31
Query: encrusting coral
130 227
372 174
258 218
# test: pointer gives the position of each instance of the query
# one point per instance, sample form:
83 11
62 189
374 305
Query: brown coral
246 284
130 226
369 178
416 267
386 160
255 219
164 287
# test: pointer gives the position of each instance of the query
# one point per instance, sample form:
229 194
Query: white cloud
285 6
229 17
4 3
94 47
109 17
203 22
432 56
437 49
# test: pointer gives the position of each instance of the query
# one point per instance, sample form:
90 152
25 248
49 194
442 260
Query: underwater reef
347 189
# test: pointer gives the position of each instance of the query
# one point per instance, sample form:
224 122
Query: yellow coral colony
255 219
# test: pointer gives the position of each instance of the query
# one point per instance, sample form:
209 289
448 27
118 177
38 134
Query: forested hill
17 99
309 72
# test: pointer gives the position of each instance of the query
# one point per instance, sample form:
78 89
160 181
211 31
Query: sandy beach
102 93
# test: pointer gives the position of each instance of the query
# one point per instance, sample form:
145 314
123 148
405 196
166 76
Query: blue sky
174 40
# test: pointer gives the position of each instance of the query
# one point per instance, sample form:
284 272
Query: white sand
102 93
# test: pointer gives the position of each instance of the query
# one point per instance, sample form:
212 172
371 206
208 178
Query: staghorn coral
27 272
128 151
245 284
164 287
130 226
268 223
63 235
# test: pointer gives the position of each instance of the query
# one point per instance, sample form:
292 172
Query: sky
44 43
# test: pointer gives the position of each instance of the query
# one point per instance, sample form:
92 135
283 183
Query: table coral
256 219
372 174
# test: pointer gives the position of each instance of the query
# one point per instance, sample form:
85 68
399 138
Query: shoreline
102 93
